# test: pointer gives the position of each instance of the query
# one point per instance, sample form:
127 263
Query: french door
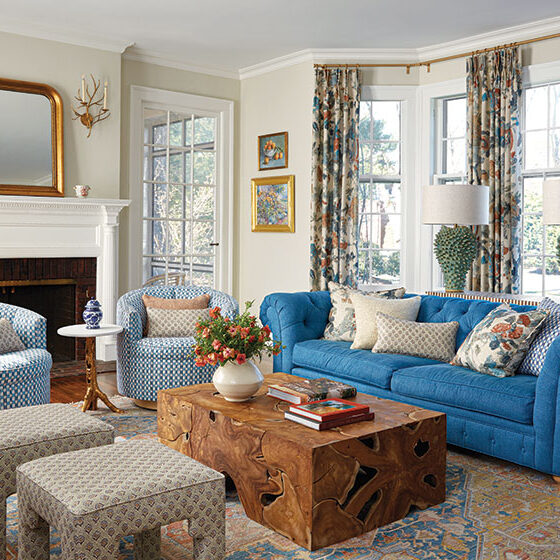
183 189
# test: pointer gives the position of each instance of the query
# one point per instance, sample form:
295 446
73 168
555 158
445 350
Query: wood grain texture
316 488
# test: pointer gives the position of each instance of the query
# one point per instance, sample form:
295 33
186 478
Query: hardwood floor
73 388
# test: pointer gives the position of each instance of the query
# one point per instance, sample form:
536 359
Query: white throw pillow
366 309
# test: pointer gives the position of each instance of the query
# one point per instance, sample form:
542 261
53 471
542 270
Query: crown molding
161 59
502 36
380 55
52 33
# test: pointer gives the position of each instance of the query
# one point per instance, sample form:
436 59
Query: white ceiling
234 34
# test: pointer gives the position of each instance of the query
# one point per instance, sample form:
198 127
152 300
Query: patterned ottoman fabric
96 496
38 431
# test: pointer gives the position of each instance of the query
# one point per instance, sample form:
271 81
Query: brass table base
93 391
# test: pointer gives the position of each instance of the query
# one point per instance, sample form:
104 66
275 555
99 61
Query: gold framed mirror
31 139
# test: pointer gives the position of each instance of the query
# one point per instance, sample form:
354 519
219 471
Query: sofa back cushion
468 313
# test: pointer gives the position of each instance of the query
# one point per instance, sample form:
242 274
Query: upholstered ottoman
96 496
37 431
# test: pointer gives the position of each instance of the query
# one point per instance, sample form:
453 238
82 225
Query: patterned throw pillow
534 360
165 323
498 344
9 339
366 316
425 340
342 322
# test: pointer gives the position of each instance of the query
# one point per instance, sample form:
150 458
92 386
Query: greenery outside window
541 160
379 198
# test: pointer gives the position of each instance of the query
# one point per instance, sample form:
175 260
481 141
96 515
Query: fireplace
63 238
58 289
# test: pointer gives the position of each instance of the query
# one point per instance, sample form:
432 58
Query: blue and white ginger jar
92 314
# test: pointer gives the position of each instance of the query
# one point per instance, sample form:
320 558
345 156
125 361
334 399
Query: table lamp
455 247
551 206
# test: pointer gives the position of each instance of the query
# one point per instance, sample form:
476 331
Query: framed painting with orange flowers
272 204
273 151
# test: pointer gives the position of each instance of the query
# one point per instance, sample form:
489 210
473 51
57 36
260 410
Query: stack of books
328 413
308 390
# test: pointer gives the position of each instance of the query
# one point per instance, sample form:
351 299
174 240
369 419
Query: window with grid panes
451 128
379 198
541 142
179 202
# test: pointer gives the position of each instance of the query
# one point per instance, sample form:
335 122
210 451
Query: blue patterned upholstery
25 376
147 365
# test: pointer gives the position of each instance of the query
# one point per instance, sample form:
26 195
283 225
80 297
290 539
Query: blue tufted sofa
147 365
514 418
25 377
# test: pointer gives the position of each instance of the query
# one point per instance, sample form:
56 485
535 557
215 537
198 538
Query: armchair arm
547 413
31 328
293 318
131 322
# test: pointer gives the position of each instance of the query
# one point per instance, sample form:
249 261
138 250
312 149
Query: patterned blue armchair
25 377
147 365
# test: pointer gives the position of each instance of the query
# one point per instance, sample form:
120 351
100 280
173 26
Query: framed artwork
273 151
272 203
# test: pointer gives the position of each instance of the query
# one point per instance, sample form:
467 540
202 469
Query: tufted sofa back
468 313
133 299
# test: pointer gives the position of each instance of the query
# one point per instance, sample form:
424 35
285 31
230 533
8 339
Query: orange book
329 409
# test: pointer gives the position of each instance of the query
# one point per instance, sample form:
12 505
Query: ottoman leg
80 547
147 545
33 533
2 527
209 534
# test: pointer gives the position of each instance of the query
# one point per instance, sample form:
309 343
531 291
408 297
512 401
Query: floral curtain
494 159
334 200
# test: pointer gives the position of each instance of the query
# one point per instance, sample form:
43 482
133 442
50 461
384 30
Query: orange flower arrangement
220 340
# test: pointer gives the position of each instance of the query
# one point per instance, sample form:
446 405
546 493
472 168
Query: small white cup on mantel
82 190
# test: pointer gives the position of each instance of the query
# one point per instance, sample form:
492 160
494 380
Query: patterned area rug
494 511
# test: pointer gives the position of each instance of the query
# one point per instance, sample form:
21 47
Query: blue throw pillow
534 360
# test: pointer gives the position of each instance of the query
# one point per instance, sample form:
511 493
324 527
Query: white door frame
181 102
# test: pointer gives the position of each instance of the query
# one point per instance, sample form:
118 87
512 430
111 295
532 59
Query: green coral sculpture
455 250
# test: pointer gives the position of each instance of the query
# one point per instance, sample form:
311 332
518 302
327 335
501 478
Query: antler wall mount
91 107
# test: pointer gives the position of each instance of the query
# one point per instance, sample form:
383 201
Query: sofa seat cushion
508 397
165 348
338 359
27 363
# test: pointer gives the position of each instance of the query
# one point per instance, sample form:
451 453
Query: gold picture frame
273 204
57 140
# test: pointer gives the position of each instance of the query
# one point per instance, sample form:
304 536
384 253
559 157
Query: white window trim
407 96
180 102
428 268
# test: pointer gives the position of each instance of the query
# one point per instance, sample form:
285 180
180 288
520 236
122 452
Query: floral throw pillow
498 344
342 321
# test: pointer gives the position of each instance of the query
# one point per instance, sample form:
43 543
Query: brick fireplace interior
58 289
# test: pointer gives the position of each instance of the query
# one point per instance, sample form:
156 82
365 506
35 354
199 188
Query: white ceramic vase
238 383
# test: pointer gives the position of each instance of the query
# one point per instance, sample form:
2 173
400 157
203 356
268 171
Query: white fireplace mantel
46 227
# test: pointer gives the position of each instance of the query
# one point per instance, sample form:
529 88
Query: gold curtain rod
428 63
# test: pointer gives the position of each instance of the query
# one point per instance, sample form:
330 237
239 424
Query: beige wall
275 102
95 160
161 77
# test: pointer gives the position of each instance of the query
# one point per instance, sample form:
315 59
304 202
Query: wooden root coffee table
316 488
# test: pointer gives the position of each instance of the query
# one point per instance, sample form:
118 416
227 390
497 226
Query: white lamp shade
551 201
464 205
